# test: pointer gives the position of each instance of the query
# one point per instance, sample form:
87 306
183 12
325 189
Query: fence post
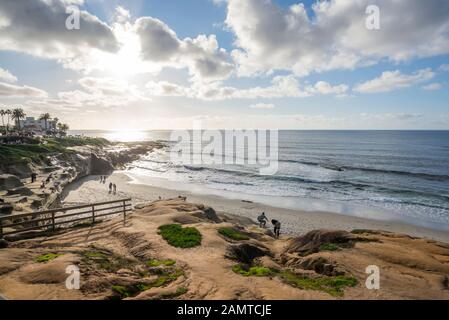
124 212
93 214
53 226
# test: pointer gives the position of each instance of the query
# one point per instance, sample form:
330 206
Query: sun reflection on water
127 136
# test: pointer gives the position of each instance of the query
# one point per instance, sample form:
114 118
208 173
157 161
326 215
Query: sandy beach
294 222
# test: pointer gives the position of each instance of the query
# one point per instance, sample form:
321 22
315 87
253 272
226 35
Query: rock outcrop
9 181
6 208
312 241
246 252
100 165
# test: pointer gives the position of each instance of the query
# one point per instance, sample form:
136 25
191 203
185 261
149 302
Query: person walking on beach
262 220
110 187
277 228
115 188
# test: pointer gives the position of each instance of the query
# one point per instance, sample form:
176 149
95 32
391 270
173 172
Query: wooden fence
50 219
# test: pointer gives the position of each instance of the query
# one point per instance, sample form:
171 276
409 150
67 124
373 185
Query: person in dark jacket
277 227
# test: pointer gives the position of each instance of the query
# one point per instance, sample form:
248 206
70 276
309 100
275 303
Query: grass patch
123 292
75 142
329 247
232 234
253 271
180 237
331 285
39 152
132 290
157 263
47 257
170 295
107 261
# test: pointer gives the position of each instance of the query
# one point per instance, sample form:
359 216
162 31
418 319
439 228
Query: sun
126 62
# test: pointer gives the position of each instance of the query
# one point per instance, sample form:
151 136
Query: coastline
294 222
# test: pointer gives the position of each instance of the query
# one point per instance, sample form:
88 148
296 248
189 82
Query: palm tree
63 128
56 122
18 114
8 113
3 113
45 117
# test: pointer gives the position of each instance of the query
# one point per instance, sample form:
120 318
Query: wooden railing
50 219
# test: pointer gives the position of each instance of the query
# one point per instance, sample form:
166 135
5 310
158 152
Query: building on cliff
37 126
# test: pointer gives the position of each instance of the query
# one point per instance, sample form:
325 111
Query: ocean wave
334 184
149 169
427 176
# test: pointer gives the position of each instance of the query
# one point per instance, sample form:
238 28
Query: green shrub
329 247
180 237
47 257
253 271
107 261
232 234
124 292
39 152
331 285
157 263
132 290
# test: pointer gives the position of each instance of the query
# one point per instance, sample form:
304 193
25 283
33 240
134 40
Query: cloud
14 91
94 93
7 76
444 67
401 116
393 80
201 55
38 27
433 86
334 35
280 87
262 106
322 87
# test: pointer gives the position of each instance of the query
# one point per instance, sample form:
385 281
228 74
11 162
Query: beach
294 222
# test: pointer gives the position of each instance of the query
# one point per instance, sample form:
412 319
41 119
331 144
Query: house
37 126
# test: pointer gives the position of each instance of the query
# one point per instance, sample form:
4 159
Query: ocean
386 175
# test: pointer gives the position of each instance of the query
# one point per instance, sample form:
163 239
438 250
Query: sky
241 64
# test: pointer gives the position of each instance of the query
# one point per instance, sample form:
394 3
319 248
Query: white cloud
433 86
7 76
37 27
14 91
393 80
281 87
272 38
322 87
444 67
262 106
201 55
95 94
